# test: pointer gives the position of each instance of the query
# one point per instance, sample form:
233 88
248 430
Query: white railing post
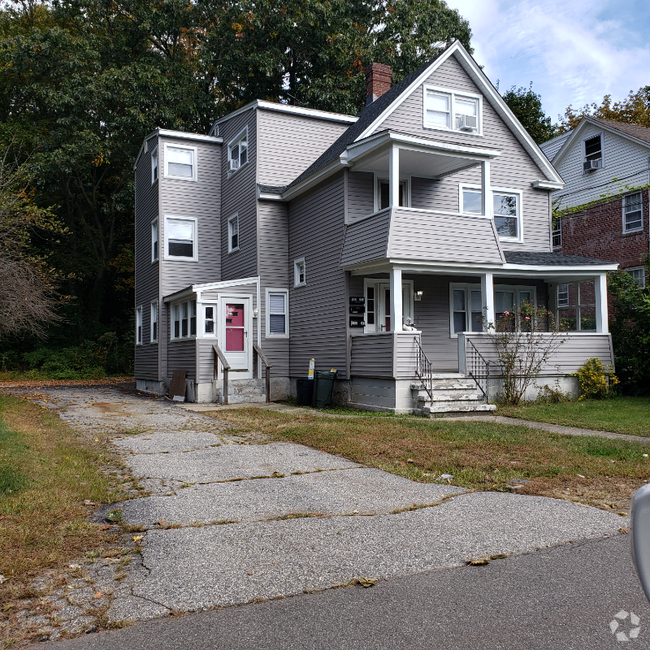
393 177
600 285
487 298
396 299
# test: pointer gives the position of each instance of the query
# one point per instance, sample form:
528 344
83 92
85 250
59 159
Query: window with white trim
238 151
183 320
154 165
451 111
638 273
562 295
382 194
506 209
233 233
299 273
180 162
209 320
180 238
154 322
594 152
154 241
557 233
138 325
508 298
632 212
277 313
466 308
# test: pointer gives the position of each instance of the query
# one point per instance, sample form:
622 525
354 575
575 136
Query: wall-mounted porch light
418 295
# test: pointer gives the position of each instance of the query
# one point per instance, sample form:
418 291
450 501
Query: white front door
235 334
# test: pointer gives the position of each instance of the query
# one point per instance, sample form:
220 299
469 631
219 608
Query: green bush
596 381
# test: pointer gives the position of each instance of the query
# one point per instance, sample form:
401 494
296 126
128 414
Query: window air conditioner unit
590 165
234 164
468 122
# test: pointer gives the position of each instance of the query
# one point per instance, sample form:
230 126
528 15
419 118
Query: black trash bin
305 392
324 381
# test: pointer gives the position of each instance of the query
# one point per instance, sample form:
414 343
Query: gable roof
633 132
374 114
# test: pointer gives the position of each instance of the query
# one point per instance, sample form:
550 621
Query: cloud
574 51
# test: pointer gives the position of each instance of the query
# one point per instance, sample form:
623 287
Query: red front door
234 327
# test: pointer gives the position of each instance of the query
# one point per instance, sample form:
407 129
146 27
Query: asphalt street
565 597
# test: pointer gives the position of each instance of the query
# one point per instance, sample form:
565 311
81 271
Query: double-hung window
509 298
506 205
451 111
277 313
154 241
557 233
466 309
180 162
632 212
593 153
210 320
180 238
138 326
238 151
154 165
184 320
562 295
638 273
154 322
299 273
233 234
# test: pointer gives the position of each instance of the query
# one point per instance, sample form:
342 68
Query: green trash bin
323 385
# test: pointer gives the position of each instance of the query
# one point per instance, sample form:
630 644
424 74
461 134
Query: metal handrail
423 368
219 356
478 368
260 355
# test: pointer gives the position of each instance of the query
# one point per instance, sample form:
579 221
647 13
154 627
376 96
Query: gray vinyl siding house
300 233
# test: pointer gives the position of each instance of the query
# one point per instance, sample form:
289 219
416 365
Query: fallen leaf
367 582
624 530
106 527
402 464
98 595
478 562
137 538
2 578
250 573
7 607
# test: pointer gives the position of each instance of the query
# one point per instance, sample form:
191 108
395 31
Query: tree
526 104
634 109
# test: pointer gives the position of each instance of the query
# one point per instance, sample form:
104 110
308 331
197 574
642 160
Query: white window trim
408 305
629 270
602 149
195 243
194 162
154 312
557 296
404 182
172 309
556 229
231 249
156 166
296 275
242 135
200 309
630 230
496 190
155 227
139 334
453 94
267 331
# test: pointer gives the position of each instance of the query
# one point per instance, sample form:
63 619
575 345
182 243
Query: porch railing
423 368
260 356
219 356
478 368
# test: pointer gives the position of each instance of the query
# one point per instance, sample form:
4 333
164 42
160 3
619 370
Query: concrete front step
451 393
241 391
474 406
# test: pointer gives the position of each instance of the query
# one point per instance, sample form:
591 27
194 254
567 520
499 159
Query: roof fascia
144 142
183 135
489 91
207 286
321 175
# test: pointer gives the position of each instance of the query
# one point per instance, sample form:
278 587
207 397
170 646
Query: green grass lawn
629 415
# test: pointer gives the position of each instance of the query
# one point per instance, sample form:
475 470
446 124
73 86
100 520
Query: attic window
238 151
593 153
450 111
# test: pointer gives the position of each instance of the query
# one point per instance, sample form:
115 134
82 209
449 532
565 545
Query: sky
574 51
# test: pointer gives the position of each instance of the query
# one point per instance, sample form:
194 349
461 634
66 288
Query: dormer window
452 111
238 151
593 153
180 162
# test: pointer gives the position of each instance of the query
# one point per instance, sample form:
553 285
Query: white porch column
487 297
393 177
396 299
600 285
486 191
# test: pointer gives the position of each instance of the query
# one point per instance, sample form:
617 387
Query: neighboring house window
562 295
180 162
154 165
138 326
557 233
632 212
154 321
506 208
638 273
233 234
576 304
466 309
382 196
184 320
210 320
593 153
154 241
238 151
451 111
277 302
180 235
299 273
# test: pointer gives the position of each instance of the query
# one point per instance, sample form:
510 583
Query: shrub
596 381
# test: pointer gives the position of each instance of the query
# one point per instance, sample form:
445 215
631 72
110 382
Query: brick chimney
378 80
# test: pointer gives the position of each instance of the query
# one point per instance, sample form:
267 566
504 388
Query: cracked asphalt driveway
231 520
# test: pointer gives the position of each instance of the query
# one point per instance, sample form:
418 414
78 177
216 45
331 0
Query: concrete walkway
230 521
